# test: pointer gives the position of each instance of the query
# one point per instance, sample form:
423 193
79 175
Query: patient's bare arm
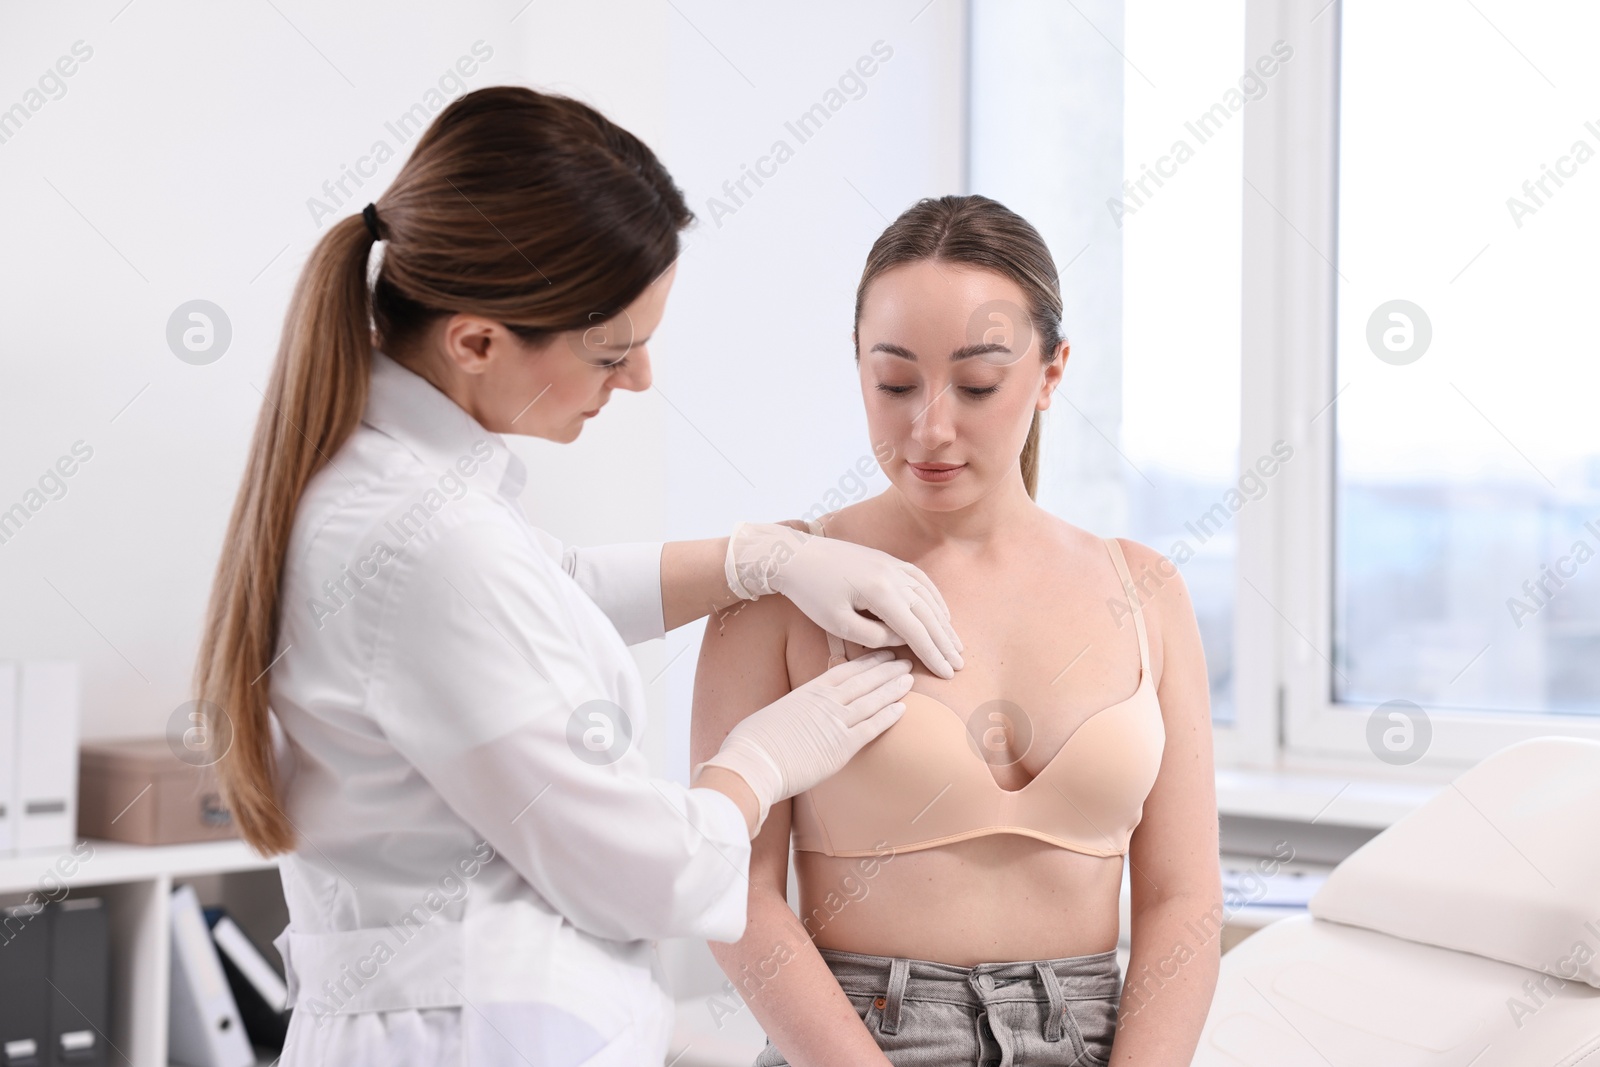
1176 885
775 966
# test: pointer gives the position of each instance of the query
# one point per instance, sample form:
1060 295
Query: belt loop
899 972
1052 989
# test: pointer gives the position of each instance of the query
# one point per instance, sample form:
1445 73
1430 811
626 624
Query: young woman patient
959 879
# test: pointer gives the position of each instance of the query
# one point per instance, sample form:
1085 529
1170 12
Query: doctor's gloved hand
834 581
808 734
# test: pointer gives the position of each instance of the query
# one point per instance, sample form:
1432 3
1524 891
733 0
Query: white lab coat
484 861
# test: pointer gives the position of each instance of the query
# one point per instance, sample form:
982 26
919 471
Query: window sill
1325 796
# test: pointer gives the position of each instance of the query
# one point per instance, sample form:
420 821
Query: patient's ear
1052 376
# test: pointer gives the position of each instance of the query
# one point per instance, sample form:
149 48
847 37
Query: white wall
765 415
178 164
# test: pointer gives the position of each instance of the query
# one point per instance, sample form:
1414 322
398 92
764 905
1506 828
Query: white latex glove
833 581
810 733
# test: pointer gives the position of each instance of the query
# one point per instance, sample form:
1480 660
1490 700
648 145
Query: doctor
476 859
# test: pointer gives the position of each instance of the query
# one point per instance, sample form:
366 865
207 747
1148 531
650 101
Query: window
1467 543
1425 339
1366 271
1117 130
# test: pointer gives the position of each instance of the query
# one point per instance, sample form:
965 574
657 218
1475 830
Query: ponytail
1029 460
313 403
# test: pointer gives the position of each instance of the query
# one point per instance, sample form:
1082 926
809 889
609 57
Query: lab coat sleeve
480 680
623 579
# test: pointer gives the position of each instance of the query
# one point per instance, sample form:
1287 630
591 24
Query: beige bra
921 783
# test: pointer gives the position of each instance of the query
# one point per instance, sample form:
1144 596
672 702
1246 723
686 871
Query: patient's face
951 375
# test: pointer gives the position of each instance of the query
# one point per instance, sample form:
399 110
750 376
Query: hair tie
370 214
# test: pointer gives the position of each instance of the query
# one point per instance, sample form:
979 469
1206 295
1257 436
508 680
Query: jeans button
985 982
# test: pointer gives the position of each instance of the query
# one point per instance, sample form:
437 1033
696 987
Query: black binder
24 992
80 974
266 1024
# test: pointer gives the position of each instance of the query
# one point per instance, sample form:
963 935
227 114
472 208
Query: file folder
8 761
261 994
204 1027
24 993
80 975
47 755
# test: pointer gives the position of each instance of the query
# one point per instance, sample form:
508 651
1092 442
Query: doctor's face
565 381
950 378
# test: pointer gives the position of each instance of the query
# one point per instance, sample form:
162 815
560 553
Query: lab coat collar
438 431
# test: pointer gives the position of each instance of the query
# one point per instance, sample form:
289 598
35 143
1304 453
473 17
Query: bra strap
1115 548
836 653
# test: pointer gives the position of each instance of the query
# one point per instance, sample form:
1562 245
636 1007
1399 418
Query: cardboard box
140 792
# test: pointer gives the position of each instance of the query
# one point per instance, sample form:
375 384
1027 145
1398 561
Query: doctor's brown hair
975 231
523 207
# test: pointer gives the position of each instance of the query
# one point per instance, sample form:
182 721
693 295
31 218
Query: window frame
1284 587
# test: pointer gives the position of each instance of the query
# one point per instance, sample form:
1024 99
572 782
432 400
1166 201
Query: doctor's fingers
888 689
855 679
927 588
939 633
876 723
929 592
915 622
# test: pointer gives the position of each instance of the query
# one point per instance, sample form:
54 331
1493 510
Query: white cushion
1307 993
1504 862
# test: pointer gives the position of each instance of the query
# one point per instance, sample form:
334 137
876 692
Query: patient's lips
936 472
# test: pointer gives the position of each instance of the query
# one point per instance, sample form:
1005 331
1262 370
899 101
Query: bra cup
1107 770
902 786
922 783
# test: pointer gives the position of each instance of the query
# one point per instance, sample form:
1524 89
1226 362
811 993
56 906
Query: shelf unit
136 882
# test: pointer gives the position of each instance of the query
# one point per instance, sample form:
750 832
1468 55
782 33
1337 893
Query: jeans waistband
895 979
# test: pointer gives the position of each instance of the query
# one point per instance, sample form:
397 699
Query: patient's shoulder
1162 596
743 648
857 522
748 627
1147 567
742 668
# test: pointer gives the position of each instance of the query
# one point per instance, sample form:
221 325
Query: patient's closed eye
970 390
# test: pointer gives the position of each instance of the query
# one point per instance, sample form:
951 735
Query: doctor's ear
472 343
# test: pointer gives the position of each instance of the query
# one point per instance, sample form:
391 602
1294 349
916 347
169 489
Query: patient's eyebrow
964 352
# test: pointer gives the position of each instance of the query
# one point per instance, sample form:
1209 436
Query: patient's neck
984 524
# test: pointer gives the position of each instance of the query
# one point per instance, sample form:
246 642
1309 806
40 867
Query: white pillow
1504 862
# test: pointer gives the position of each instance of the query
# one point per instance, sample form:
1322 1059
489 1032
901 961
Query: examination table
1468 933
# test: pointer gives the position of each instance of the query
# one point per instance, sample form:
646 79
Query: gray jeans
922 1014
